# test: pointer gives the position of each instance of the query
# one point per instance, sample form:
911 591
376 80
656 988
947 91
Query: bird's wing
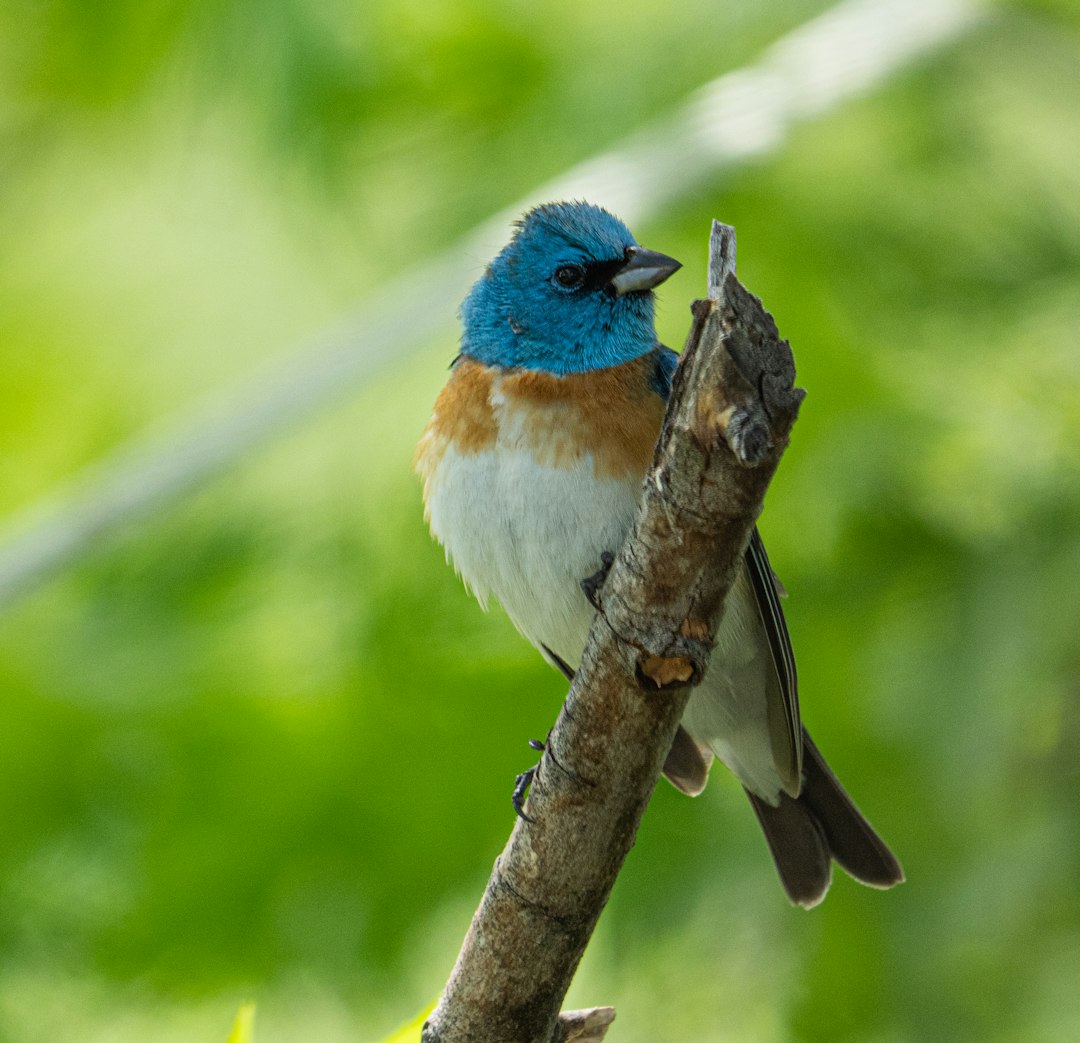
787 729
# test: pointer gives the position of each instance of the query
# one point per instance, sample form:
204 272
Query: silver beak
643 270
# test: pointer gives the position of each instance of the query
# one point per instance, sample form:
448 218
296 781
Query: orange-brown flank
611 414
462 417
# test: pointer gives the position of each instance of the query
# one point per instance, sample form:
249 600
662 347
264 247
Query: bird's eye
569 276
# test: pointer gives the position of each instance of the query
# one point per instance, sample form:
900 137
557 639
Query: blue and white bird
532 466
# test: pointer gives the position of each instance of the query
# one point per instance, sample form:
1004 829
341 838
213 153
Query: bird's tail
822 824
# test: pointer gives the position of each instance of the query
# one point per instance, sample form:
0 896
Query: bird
532 466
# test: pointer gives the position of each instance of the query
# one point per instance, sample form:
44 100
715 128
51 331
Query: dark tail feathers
823 824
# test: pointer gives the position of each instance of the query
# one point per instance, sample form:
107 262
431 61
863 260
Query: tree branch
731 410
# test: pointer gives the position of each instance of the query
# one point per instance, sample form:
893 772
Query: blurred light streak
743 114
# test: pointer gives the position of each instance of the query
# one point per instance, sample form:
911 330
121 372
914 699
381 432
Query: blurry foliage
264 745
243 1029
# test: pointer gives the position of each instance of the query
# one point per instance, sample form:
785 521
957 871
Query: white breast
528 534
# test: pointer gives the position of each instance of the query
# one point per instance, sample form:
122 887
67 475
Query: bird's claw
521 789
592 585
524 781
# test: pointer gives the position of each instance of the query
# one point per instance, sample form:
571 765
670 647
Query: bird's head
572 291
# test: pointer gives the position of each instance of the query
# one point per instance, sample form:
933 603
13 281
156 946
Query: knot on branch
667 654
683 662
748 437
663 673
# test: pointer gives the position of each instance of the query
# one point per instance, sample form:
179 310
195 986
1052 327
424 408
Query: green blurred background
261 744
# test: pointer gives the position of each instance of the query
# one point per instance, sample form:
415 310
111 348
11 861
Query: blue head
572 291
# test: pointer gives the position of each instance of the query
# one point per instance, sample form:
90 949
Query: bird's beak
643 270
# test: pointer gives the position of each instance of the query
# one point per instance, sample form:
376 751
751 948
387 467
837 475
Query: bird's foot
592 585
523 782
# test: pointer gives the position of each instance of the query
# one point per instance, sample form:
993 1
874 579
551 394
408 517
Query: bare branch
732 406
